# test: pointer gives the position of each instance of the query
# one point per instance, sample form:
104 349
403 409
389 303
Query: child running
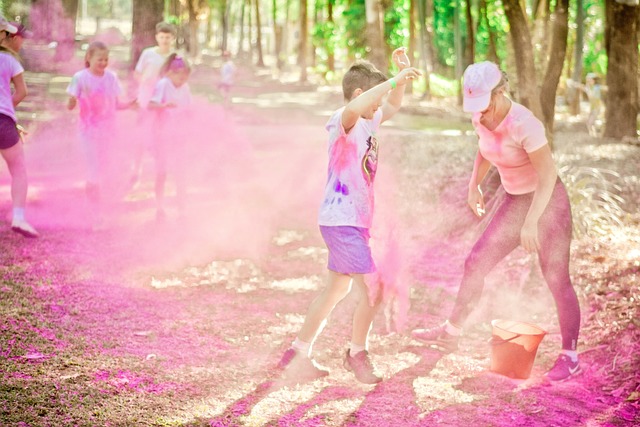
170 99
227 73
11 147
147 74
96 90
346 215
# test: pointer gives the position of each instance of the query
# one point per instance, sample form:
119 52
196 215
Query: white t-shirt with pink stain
507 147
148 67
97 98
353 159
165 92
9 68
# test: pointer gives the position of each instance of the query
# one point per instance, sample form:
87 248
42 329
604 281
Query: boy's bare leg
337 288
364 313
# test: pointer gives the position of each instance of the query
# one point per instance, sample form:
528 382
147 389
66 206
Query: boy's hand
406 74
400 58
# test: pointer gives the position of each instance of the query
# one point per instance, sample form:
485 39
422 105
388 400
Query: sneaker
361 366
563 369
437 338
300 369
24 228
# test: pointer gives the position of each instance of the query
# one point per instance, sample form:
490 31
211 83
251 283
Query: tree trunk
574 94
277 33
457 44
241 50
260 62
412 38
331 56
426 45
225 7
303 42
559 32
622 70
146 14
527 86
375 35
469 48
492 50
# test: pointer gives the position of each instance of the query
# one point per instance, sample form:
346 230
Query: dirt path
182 322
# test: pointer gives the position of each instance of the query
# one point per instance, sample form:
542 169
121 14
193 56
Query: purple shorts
349 251
9 135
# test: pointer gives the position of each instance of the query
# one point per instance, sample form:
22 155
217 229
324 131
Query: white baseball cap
6 26
479 80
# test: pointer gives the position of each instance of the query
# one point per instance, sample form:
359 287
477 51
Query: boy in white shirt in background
147 74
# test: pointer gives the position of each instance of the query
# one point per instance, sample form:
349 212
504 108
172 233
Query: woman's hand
476 201
529 237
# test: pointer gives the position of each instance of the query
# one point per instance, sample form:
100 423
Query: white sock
18 214
302 347
452 329
573 354
355 349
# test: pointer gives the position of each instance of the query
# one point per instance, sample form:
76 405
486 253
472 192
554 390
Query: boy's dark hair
165 27
363 75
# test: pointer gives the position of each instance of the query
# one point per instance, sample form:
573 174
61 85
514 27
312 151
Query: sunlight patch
309 252
306 283
435 393
291 324
279 402
390 364
287 236
334 412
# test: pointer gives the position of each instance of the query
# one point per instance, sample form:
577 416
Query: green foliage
596 205
354 19
396 25
324 37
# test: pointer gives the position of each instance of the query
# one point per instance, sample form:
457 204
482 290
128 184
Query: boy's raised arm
362 102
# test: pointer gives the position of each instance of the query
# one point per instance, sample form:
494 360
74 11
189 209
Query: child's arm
71 104
394 100
359 105
126 105
20 89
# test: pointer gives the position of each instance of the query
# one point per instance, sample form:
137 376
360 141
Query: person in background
346 215
96 90
227 74
170 100
11 147
147 74
535 212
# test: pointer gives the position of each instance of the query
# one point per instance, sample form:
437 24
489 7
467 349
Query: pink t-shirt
9 68
507 147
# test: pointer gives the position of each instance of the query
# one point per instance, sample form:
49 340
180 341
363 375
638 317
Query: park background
182 323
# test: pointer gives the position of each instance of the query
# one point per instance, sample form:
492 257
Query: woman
535 212
11 73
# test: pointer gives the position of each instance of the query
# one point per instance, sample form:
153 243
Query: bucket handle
494 340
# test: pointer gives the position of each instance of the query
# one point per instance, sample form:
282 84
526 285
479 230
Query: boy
346 215
227 73
147 71
147 74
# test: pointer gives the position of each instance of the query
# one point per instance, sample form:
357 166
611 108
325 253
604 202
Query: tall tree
146 14
260 61
304 41
621 32
521 39
555 63
375 35
469 47
573 94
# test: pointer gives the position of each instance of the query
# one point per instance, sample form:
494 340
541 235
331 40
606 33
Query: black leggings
502 236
